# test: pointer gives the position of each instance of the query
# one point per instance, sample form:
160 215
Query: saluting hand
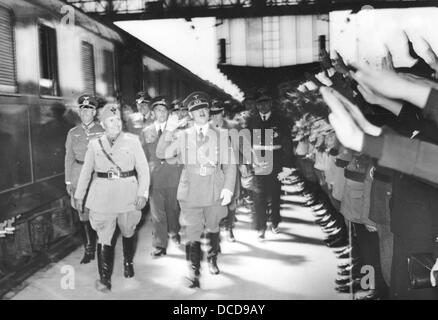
226 197
140 202
347 131
172 122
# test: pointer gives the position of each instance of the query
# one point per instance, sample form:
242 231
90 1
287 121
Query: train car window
108 75
88 71
15 164
8 80
49 130
49 84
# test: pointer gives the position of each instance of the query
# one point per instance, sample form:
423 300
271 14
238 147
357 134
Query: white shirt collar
265 116
159 126
204 128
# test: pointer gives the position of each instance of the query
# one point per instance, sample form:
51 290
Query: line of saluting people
373 154
114 167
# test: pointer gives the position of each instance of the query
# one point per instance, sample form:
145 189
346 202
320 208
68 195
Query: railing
159 9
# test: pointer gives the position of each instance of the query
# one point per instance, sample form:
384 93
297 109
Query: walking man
117 194
165 174
207 181
75 148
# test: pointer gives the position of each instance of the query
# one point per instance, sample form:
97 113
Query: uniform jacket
414 202
114 196
165 173
281 137
75 149
196 189
413 157
355 204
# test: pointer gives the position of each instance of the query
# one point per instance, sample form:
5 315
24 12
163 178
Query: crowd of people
358 143
182 159
365 140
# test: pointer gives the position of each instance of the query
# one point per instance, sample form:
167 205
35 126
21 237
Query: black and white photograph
220 155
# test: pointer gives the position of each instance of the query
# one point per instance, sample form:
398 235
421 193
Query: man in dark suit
272 142
165 176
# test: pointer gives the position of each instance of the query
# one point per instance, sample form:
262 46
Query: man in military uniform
117 194
139 120
75 148
272 141
207 181
164 182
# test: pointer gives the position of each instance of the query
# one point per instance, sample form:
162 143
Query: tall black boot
106 268
128 256
99 260
89 236
213 252
195 263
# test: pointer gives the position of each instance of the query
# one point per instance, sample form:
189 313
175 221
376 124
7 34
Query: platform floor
294 264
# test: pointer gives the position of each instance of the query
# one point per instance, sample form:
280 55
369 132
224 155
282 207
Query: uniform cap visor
199 106
216 111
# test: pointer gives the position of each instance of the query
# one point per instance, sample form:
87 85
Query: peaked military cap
217 106
87 100
142 97
110 110
263 96
197 100
159 101
237 108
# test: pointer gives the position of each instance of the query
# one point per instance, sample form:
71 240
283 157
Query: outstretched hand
347 131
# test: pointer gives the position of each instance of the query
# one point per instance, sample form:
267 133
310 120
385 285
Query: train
50 54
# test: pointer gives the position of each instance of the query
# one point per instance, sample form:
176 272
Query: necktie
160 132
201 134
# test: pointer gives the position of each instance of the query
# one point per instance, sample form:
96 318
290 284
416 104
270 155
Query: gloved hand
226 197
183 122
140 202
70 189
172 122
432 276
284 174
370 228
79 205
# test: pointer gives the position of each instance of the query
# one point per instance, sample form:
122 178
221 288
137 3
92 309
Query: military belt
203 170
355 176
115 174
266 148
79 161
